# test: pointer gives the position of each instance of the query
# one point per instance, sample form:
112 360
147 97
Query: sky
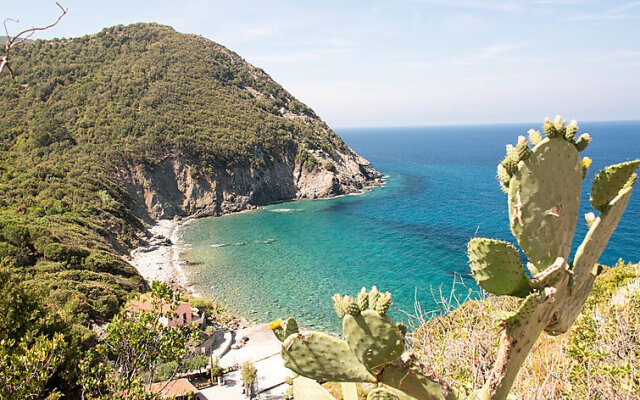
406 62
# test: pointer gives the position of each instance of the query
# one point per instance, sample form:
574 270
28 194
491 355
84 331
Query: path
263 350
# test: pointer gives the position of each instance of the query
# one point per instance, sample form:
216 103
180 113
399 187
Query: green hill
104 133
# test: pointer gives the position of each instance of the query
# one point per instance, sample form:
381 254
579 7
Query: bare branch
22 36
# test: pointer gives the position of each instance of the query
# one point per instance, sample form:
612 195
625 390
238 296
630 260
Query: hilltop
104 133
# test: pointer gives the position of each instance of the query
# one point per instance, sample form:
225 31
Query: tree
248 374
136 344
13 41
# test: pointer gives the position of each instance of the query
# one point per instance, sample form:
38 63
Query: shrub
330 166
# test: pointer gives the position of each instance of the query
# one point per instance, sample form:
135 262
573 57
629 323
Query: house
179 389
177 314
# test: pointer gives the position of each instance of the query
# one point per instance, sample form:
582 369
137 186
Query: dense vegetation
79 110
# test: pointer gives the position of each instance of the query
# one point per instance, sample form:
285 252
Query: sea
407 237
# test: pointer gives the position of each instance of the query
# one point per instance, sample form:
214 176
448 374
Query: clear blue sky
408 62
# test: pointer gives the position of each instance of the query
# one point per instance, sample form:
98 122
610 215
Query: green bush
197 362
330 166
56 252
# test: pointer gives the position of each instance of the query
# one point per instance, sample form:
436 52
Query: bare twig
13 41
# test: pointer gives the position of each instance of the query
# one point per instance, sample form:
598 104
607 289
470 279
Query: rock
172 188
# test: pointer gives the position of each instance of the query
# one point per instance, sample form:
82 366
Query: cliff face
175 188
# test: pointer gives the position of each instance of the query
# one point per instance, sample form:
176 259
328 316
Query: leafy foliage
80 110
35 344
248 373
136 344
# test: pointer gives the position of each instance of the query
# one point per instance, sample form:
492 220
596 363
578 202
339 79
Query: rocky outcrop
176 187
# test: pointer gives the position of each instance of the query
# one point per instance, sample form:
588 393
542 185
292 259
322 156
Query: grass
598 358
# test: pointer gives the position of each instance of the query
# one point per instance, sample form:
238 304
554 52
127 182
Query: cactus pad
308 389
413 383
349 390
544 195
586 258
290 327
323 357
497 268
381 394
609 181
374 338
526 308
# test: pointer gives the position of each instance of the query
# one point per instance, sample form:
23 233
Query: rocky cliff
175 187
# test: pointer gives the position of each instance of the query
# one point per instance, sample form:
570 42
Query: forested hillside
103 133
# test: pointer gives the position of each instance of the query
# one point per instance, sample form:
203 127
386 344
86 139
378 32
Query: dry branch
13 41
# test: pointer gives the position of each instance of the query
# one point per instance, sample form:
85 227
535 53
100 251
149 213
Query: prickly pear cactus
544 184
544 197
371 352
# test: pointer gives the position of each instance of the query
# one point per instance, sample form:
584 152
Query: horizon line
465 124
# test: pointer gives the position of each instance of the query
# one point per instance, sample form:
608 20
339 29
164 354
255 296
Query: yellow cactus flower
586 162
275 324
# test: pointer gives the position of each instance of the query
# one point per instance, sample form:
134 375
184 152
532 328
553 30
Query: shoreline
159 259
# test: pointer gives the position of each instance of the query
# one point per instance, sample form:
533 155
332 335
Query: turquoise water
408 237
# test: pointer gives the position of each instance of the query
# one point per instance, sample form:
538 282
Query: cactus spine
544 185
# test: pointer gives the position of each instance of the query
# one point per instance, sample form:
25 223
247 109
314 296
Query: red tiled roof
178 387
145 304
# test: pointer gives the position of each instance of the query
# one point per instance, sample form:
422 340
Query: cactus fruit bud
504 178
583 141
403 328
374 295
534 136
363 299
288 380
511 151
510 165
558 123
549 129
590 218
522 148
572 130
350 306
338 305
383 304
